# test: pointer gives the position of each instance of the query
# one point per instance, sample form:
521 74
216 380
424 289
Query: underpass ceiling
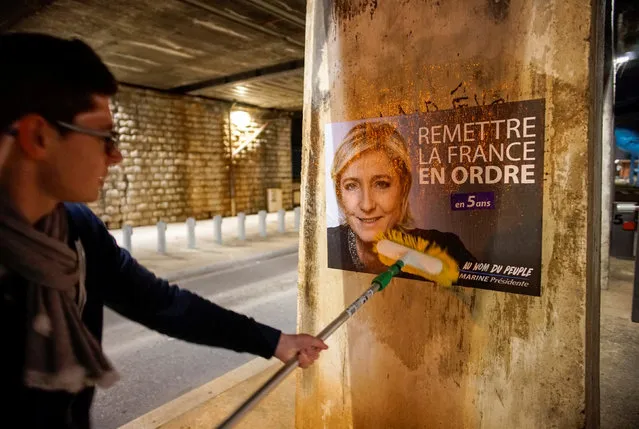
250 51
171 44
285 90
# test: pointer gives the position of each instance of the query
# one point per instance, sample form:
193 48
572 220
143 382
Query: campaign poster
467 179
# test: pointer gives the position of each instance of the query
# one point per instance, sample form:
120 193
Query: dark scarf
61 353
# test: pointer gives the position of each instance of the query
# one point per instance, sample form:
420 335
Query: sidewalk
209 405
179 261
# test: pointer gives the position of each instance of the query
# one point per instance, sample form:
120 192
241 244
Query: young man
58 263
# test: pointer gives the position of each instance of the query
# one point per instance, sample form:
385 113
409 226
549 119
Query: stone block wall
176 161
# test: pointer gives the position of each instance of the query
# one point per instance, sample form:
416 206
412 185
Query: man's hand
305 346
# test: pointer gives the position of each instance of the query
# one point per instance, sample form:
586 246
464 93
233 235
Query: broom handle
283 372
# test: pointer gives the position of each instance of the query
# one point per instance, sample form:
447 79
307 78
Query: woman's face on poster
370 188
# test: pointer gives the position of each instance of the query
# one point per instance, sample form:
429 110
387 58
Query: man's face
76 166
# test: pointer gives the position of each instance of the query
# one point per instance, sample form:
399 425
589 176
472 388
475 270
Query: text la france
514 158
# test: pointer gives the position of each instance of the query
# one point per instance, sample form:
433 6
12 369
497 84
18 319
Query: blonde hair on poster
375 136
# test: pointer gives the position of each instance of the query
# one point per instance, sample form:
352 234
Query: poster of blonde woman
467 180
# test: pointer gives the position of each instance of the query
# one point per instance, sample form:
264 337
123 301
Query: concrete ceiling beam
238 77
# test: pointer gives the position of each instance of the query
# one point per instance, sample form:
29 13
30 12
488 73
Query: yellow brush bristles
450 270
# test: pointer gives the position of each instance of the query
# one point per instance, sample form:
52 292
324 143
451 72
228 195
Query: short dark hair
49 76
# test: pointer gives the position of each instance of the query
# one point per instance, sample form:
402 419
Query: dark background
623 38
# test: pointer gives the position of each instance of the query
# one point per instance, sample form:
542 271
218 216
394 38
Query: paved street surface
156 369
619 350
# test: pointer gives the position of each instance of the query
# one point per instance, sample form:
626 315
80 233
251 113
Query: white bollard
190 231
297 218
241 230
217 229
281 220
161 225
262 218
127 232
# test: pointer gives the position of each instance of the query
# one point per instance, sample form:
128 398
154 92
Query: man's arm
136 293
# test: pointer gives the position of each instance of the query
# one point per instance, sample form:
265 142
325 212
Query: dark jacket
339 256
114 279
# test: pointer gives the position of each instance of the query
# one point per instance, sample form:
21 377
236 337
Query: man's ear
34 136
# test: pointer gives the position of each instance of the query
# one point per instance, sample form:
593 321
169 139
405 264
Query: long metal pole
280 375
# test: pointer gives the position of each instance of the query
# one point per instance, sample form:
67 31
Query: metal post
127 232
217 229
297 218
161 225
190 230
241 231
262 219
281 220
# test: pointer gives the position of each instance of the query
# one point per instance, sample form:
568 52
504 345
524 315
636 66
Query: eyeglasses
110 138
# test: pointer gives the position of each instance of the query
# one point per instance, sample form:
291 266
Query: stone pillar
419 356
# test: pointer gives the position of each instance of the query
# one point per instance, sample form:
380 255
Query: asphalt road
156 369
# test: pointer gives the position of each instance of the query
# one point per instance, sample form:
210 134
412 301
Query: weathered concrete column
419 356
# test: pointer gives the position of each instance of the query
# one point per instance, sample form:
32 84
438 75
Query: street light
240 119
622 59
